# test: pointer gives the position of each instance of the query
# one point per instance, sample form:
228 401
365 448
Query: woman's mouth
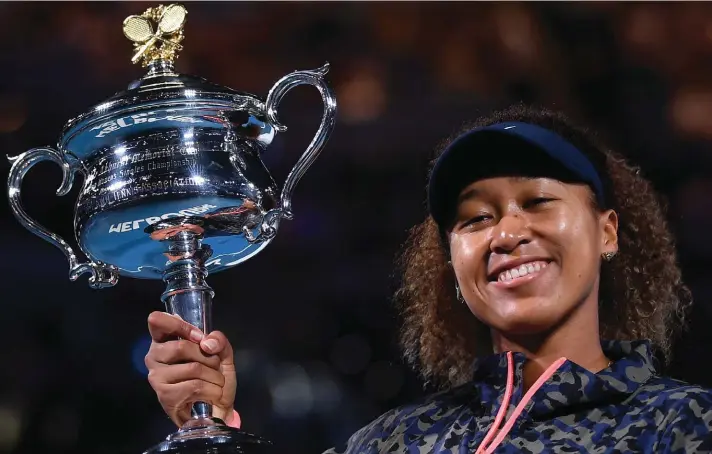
521 271
520 274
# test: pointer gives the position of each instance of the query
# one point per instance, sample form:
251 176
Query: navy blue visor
505 149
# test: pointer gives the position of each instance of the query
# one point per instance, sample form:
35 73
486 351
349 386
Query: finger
163 326
179 352
189 392
216 343
179 373
179 417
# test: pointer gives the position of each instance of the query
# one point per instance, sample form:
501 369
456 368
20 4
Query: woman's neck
577 339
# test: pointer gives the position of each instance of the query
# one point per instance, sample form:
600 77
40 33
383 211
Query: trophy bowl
174 188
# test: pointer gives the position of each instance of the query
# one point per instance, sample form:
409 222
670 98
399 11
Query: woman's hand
194 368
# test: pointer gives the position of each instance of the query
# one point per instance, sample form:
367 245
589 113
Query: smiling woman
535 295
506 224
544 187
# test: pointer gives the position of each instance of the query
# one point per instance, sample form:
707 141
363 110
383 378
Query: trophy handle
274 97
102 275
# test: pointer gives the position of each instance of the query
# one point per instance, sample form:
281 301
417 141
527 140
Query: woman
533 295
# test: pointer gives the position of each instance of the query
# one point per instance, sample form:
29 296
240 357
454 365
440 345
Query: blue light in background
138 353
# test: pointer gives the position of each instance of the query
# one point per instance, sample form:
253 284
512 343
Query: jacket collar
571 385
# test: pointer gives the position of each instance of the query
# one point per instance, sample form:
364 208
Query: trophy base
210 436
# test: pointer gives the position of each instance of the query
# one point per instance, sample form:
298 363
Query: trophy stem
187 294
190 297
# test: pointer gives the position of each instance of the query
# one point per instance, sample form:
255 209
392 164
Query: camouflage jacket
623 409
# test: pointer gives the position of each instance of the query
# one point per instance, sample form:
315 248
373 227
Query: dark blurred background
311 316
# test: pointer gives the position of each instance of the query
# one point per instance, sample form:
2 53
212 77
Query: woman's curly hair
641 294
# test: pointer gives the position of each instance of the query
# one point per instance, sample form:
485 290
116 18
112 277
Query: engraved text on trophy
127 175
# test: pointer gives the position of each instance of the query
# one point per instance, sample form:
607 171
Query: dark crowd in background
311 316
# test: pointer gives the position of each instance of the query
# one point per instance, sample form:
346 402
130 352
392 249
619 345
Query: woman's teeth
523 270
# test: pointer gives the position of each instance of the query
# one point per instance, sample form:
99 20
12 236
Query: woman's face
527 251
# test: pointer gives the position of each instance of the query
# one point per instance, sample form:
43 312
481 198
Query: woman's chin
530 316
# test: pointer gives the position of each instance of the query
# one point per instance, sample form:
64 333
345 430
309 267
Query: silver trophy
174 189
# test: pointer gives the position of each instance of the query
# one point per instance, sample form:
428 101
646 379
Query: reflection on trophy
174 189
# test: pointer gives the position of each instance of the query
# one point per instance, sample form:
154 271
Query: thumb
216 343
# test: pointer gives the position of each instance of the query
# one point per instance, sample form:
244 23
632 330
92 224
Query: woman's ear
608 222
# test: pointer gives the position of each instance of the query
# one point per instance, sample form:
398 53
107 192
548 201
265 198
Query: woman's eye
477 219
537 201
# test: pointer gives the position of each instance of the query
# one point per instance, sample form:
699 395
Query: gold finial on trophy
164 42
